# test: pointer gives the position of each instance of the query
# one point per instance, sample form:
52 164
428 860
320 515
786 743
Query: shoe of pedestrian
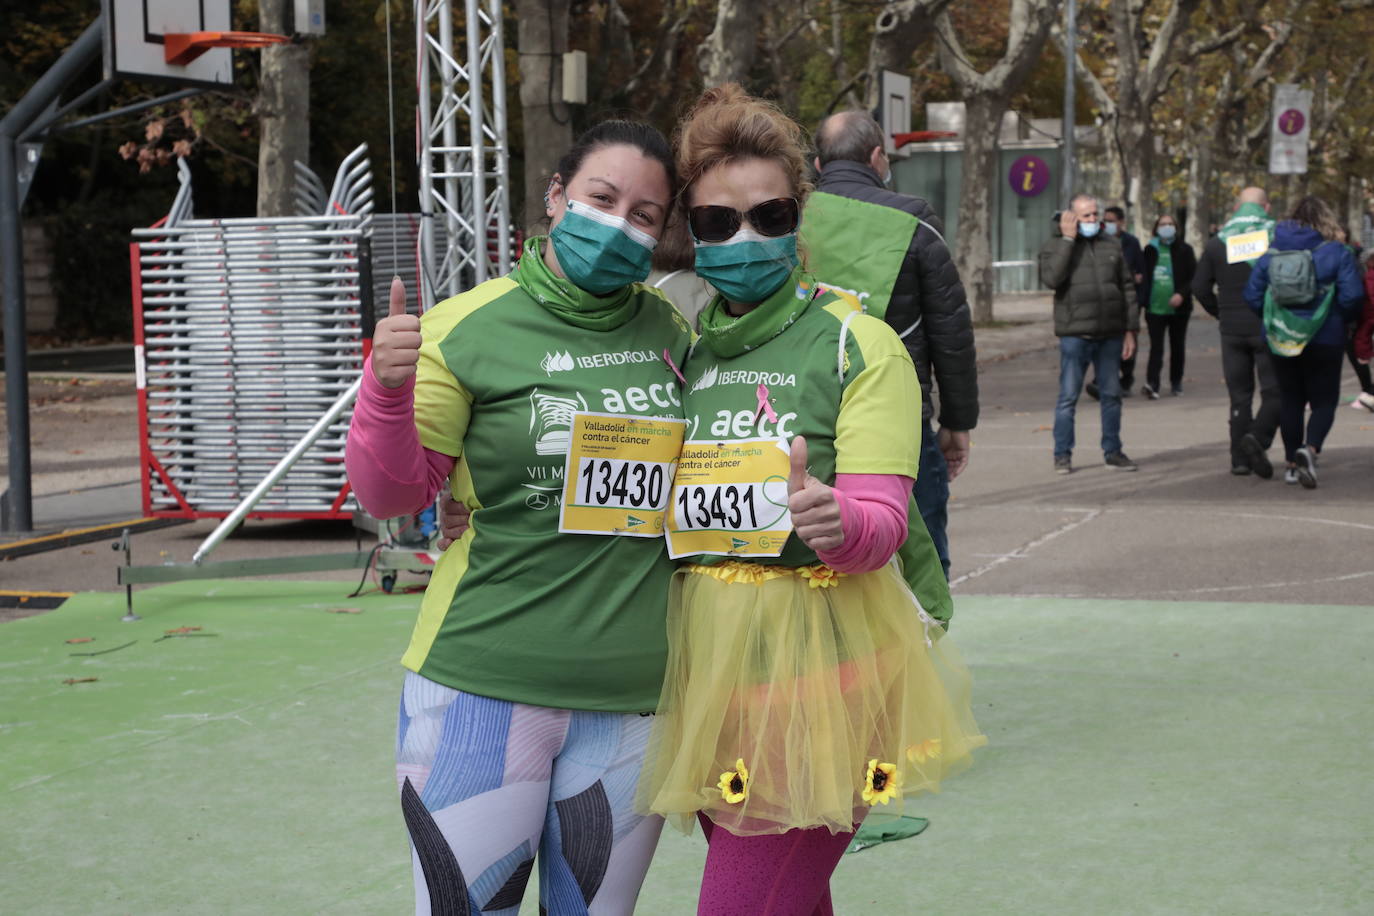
1149 392
1178 390
1254 455
1240 470
1363 401
1307 468
1290 475
1126 391
1120 462
1093 391
1063 464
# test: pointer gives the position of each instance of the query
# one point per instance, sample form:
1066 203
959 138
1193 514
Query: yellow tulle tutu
802 698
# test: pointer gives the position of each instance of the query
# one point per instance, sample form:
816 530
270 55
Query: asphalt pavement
1181 528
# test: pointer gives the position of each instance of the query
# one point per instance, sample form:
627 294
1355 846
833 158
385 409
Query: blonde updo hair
726 125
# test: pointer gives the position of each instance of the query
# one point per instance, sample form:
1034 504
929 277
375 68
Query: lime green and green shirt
835 375
1162 282
515 610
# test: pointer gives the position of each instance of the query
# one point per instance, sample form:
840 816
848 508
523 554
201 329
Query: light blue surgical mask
1088 230
1167 233
1110 228
887 179
747 267
600 252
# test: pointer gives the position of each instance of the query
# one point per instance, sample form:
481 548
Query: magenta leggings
779 874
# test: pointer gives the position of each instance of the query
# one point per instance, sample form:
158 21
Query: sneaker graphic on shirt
551 421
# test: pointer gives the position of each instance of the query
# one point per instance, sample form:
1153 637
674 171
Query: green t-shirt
515 610
1162 283
860 412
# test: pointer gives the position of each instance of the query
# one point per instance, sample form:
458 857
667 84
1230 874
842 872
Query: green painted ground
1145 758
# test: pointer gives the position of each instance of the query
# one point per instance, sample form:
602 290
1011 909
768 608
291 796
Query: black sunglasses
771 218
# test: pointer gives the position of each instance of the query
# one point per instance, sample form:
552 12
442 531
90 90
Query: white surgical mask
1088 230
1110 228
1167 233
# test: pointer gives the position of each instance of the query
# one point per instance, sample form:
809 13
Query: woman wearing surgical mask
537 655
805 684
1167 301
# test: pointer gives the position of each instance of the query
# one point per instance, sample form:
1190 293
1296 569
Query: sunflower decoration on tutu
820 576
881 782
928 749
734 784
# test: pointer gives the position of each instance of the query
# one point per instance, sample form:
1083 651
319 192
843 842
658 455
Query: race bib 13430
619 474
730 499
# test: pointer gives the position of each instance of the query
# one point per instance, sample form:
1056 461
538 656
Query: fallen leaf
184 630
81 639
80 680
1041 429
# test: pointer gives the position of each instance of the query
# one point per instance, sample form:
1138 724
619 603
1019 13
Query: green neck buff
563 298
728 336
1247 218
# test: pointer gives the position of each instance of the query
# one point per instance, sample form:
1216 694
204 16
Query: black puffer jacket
928 290
1094 292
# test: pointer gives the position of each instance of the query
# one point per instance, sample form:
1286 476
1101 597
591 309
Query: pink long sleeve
873 516
390 471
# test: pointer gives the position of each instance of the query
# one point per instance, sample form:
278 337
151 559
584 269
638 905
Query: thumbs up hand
396 341
815 510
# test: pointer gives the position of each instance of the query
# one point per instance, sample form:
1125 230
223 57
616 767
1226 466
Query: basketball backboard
135 47
894 109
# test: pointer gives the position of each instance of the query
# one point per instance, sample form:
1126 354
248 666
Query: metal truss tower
464 158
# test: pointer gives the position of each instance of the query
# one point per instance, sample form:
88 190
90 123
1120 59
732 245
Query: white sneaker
1307 468
1363 401
1290 475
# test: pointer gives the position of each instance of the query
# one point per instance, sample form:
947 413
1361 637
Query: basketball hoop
184 47
921 136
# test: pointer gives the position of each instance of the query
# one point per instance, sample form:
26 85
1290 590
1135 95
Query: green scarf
1162 283
569 302
728 336
1247 218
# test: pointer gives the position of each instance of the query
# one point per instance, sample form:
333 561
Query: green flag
856 247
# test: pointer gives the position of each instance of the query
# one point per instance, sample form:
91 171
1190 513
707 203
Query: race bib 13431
730 499
619 474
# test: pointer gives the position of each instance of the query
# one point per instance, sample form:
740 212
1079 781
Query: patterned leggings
485 783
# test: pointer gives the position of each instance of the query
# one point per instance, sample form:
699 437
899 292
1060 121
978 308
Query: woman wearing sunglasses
806 687
537 655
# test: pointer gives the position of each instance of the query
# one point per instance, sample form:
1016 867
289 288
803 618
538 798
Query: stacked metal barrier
246 332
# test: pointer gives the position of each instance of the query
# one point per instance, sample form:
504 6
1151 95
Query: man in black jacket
927 307
1096 318
1244 354
1114 226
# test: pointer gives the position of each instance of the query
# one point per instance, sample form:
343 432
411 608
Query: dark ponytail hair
619 132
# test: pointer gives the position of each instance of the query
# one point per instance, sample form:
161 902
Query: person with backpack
1167 300
1307 288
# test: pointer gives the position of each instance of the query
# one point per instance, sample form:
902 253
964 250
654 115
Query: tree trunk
900 28
727 54
973 242
283 113
1354 207
546 121
1137 155
1199 194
